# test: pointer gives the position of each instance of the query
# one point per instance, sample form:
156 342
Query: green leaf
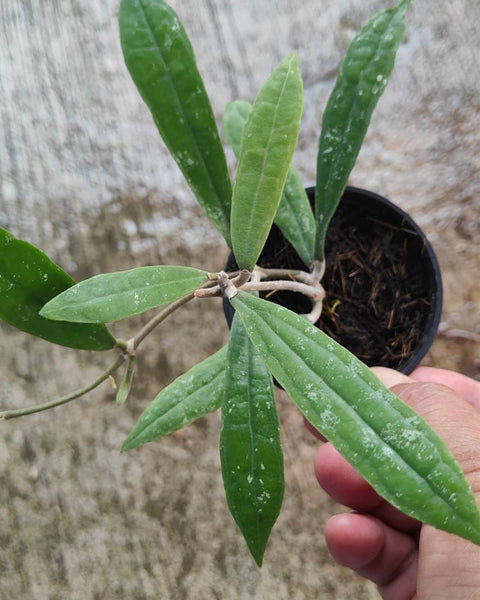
126 383
234 119
383 438
294 215
28 279
113 296
250 449
295 218
194 394
268 142
161 61
363 76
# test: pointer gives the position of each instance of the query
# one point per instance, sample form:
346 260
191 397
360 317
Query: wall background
84 175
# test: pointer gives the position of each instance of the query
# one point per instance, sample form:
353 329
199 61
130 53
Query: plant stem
13 414
312 278
122 344
283 279
317 270
291 274
162 315
311 281
157 319
128 350
316 312
295 286
226 286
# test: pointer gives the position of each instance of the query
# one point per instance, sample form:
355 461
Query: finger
346 486
375 551
342 482
467 388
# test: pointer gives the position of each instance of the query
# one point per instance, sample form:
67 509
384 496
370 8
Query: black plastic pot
383 283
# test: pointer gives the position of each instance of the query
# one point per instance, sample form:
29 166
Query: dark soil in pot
382 281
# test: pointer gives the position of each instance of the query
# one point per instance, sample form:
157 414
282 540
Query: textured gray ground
84 175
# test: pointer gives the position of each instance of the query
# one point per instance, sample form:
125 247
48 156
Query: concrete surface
84 175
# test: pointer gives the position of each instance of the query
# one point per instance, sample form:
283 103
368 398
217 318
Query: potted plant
389 444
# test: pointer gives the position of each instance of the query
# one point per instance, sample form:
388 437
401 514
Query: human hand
406 559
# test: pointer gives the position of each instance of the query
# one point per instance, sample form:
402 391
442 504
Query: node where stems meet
227 287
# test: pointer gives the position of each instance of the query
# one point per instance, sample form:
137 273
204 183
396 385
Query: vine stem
135 342
311 281
315 292
312 278
21 412
157 319
128 350
295 286
270 280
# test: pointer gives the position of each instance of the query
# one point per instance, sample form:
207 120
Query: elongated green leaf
294 215
126 383
161 61
28 279
363 76
194 394
250 449
234 119
268 141
113 296
383 438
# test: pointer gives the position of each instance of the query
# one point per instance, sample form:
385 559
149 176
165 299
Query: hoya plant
388 443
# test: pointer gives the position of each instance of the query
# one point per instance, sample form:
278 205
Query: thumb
448 565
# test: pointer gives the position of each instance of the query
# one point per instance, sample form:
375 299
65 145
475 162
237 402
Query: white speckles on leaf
113 296
329 419
190 396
